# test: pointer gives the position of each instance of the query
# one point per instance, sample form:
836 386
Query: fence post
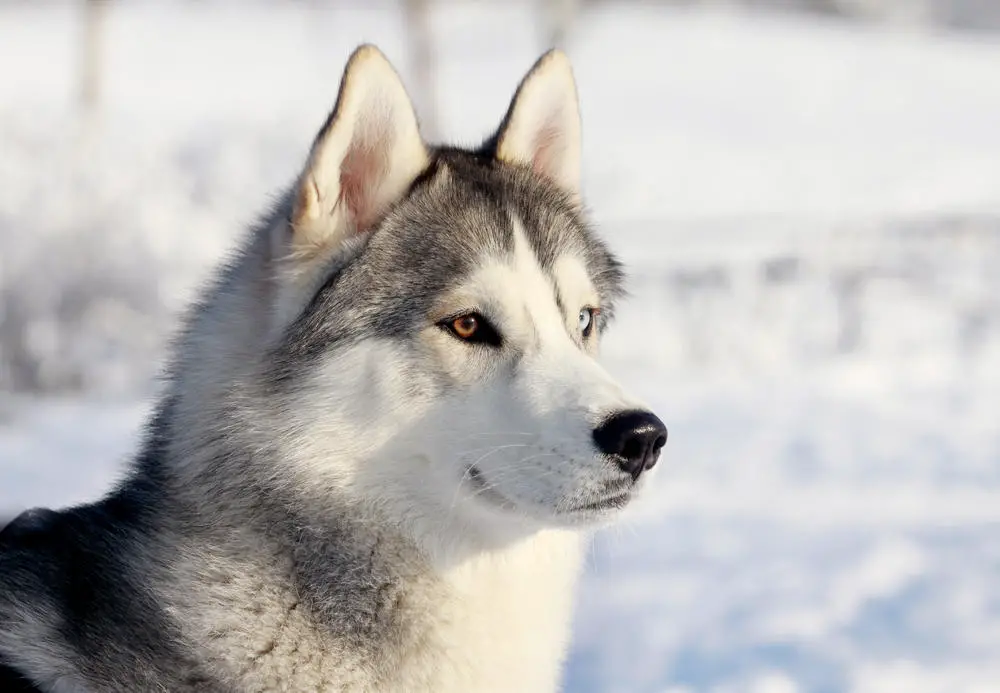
91 59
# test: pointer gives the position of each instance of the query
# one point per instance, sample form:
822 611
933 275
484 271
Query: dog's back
26 556
73 603
11 679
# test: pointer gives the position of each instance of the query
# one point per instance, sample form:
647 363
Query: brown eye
472 328
465 326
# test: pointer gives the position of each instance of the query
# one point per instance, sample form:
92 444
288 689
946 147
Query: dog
382 441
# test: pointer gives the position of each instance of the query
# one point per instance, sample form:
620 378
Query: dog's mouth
613 502
485 491
608 500
613 499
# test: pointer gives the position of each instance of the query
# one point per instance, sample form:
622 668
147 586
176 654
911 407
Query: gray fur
214 567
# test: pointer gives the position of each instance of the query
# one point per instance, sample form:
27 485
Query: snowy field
810 213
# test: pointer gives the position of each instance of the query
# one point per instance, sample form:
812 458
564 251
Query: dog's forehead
457 220
517 281
466 215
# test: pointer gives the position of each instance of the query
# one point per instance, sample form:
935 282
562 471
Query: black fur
11 681
85 565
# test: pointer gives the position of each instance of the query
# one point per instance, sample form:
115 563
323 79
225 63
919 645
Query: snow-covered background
810 212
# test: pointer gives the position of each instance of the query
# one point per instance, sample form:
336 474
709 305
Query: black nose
633 438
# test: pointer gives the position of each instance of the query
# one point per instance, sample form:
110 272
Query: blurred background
807 196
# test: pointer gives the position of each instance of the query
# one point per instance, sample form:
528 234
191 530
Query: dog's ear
363 160
542 125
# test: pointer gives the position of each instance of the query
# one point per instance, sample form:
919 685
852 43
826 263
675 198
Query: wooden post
559 16
91 57
418 33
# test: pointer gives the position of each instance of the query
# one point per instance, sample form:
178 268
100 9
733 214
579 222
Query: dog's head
438 315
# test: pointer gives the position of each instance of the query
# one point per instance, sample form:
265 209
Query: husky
382 440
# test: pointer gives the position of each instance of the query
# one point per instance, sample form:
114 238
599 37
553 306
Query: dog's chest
496 623
504 625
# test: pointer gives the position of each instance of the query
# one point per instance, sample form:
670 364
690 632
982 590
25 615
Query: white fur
375 427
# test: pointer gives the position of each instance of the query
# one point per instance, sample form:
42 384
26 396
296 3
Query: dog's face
444 314
524 396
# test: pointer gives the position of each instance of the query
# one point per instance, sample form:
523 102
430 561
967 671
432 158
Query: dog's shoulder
27 544
31 524
73 587
26 556
34 547
11 681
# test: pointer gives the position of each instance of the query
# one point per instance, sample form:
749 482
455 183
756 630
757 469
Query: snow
810 214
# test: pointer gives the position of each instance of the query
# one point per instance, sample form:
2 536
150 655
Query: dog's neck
305 606
272 594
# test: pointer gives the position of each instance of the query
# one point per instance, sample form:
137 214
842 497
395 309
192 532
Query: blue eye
588 316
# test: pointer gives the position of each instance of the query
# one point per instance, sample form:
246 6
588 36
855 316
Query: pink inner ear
363 169
548 146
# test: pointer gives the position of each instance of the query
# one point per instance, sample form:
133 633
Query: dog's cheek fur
355 403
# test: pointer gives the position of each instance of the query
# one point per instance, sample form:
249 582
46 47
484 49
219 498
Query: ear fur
542 125
363 160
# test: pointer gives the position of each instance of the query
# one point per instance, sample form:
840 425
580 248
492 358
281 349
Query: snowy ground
811 217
